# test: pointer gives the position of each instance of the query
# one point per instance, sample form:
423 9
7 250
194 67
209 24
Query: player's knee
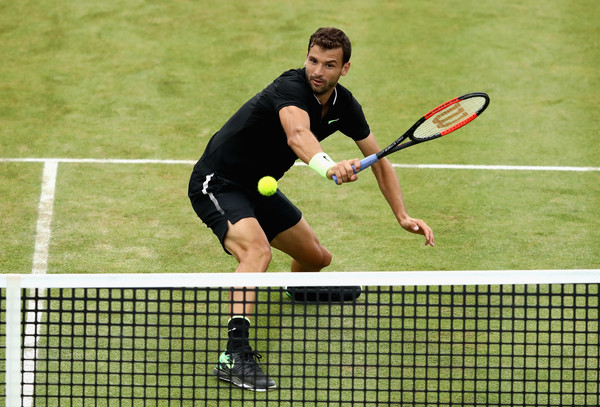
326 257
261 255
320 259
255 257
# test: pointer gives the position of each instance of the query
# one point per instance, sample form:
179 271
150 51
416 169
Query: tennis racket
442 120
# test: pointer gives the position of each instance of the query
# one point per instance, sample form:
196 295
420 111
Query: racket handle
368 161
364 163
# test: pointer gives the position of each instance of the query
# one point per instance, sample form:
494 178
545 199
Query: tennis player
283 123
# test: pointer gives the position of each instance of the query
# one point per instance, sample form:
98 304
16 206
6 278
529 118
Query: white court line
99 160
45 213
424 166
498 167
35 308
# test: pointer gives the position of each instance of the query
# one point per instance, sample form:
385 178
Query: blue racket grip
364 163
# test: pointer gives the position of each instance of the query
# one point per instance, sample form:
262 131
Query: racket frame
398 144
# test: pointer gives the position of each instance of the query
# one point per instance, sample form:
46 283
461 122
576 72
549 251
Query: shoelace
249 360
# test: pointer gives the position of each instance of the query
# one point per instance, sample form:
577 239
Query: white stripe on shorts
210 195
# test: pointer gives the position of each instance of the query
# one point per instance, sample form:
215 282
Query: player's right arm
296 124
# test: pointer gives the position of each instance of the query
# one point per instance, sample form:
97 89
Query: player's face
324 68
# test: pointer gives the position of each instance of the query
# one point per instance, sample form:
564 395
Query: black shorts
217 200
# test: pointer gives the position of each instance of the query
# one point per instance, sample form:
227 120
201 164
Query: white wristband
321 163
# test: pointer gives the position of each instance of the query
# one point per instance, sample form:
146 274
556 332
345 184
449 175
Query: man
283 123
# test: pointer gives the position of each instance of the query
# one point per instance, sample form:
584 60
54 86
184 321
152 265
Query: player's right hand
345 171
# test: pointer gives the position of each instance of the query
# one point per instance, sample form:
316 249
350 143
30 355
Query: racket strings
451 117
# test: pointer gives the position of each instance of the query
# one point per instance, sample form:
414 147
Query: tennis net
476 338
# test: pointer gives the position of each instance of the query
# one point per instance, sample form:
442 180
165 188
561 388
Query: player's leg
308 254
247 242
229 214
288 231
300 242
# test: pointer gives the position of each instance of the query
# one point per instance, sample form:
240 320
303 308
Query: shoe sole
225 376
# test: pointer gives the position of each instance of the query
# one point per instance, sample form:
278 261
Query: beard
323 88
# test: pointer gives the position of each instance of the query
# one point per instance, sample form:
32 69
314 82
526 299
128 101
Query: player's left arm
392 191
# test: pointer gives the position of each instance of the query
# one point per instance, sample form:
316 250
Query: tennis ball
267 186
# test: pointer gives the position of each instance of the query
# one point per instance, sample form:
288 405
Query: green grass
155 79
20 192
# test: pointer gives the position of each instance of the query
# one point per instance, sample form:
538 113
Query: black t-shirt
253 144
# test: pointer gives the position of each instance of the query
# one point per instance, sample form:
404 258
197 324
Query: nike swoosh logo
332 121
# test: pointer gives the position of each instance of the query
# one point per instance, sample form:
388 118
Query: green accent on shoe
226 360
241 369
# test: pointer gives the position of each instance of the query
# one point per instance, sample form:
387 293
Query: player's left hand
419 227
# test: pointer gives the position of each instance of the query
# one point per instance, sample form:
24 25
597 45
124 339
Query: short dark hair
331 38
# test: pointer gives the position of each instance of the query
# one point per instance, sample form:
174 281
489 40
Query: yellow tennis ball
267 186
